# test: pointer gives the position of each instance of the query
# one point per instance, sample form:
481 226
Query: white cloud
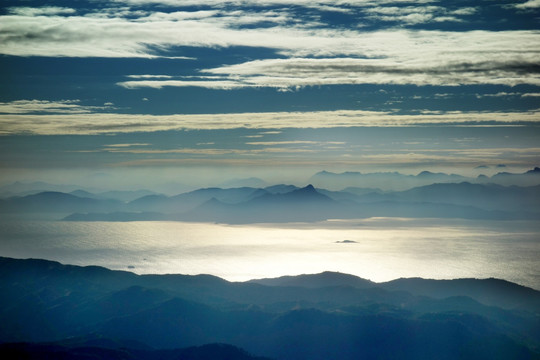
149 76
209 152
464 11
128 145
39 11
44 106
104 123
530 4
303 143
158 84
265 3
383 57
315 55
499 94
456 69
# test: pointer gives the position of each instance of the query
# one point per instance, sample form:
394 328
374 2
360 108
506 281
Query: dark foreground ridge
65 311
85 351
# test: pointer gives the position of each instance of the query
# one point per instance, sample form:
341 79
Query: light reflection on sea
378 249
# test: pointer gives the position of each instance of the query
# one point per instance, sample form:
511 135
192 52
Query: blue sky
217 89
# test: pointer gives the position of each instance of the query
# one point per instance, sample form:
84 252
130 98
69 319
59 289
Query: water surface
378 249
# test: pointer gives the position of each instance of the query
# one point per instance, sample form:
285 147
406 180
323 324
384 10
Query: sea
378 249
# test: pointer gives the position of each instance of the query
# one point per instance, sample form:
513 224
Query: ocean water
379 249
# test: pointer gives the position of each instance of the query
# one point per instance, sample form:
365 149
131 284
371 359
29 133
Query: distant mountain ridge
288 203
395 181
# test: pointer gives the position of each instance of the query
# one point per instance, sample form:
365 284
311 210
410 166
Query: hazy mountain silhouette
20 188
304 204
56 202
280 188
321 316
124 196
384 180
488 196
528 178
286 203
396 181
190 200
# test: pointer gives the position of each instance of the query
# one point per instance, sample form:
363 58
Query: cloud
430 70
44 106
112 123
206 152
530 4
128 145
417 14
311 53
383 57
294 142
149 76
158 84
499 94
40 11
267 3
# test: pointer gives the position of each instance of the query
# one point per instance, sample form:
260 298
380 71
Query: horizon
481 175
136 92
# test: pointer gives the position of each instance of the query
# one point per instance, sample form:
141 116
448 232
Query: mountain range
362 182
50 307
395 181
288 203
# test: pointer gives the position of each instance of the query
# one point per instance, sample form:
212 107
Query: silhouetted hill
528 178
56 202
322 316
287 203
125 195
280 189
385 180
295 197
247 205
395 181
190 200
84 194
304 204
489 196
325 279
494 292
20 188
59 351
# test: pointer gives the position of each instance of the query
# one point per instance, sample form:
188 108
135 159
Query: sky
142 93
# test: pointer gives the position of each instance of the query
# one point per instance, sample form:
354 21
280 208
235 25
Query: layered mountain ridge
317 316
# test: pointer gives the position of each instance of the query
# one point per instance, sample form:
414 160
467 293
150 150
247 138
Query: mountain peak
308 190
